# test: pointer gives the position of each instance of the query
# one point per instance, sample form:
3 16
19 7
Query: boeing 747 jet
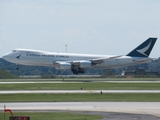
79 62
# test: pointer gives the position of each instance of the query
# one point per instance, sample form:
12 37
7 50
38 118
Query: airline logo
18 56
143 50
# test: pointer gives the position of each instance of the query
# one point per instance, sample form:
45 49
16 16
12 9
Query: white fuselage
42 58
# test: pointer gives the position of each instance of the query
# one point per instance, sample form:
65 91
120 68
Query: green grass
85 86
52 116
80 97
91 97
7 75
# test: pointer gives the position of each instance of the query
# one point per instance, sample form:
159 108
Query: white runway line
31 82
75 91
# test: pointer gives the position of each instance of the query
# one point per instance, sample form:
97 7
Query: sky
108 27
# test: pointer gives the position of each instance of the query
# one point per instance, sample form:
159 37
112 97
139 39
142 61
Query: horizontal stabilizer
144 60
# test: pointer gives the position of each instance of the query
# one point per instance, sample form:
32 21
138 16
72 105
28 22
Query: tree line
37 70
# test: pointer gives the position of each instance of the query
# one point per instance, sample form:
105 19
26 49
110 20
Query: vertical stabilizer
144 49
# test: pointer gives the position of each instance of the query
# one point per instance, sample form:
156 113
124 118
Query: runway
75 91
71 81
150 108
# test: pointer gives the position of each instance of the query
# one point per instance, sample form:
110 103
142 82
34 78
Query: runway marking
32 82
75 91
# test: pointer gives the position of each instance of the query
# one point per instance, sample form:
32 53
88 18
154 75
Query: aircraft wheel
75 71
17 68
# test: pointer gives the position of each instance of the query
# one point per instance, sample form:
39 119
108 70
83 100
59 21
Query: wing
101 60
81 63
91 62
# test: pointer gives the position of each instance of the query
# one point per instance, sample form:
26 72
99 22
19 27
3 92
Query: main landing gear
77 70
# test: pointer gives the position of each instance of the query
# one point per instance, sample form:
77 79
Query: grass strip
93 97
77 86
52 116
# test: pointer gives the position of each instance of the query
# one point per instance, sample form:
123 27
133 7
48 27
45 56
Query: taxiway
147 108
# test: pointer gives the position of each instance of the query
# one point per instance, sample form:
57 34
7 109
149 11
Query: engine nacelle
62 65
85 64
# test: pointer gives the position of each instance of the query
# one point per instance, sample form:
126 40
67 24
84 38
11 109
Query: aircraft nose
6 57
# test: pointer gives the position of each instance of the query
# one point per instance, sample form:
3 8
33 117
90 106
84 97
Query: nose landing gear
17 67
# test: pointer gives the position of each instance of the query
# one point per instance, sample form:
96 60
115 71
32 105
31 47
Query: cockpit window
14 51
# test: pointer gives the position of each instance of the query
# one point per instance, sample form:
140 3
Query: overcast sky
113 27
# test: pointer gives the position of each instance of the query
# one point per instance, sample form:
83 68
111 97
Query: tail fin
144 49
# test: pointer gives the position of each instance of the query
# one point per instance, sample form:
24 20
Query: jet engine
85 64
62 65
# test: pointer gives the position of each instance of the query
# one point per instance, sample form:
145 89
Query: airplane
79 62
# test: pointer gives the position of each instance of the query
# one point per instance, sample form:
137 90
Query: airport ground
89 85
